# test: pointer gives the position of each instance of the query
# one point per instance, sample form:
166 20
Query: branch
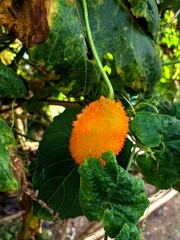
12 217
171 63
157 201
33 196
167 25
60 103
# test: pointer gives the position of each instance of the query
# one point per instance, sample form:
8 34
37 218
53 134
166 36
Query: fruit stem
94 52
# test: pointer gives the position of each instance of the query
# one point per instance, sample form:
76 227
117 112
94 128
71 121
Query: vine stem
133 110
131 158
94 52
148 104
105 236
171 63
13 115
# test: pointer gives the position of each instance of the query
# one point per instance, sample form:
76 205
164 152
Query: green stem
105 236
148 104
7 37
13 116
133 110
171 63
131 158
93 49
27 137
18 57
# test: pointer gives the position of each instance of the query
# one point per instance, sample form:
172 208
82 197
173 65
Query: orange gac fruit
102 126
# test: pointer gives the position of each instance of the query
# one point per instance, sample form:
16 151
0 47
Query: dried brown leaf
27 19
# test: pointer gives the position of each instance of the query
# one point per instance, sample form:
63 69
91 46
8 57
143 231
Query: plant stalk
105 236
13 115
171 63
94 52
133 110
131 159
18 57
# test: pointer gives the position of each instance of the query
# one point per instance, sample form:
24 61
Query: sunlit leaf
6 134
7 181
67 53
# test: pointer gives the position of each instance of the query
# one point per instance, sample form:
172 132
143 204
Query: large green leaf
56 177
121 35
160 165
111 194
67 52
10 83
7 181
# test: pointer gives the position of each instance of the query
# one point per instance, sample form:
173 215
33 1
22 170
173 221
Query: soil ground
162 224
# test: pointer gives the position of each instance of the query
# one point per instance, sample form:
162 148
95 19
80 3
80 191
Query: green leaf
128 232
147 128
148 10
56 177
6 134
65 50
160 165
7 181
163 172
111 194
10 83
134 52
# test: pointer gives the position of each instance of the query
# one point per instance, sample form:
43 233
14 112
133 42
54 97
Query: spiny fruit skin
102 126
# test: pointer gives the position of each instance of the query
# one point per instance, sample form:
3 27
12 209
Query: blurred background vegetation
169 46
